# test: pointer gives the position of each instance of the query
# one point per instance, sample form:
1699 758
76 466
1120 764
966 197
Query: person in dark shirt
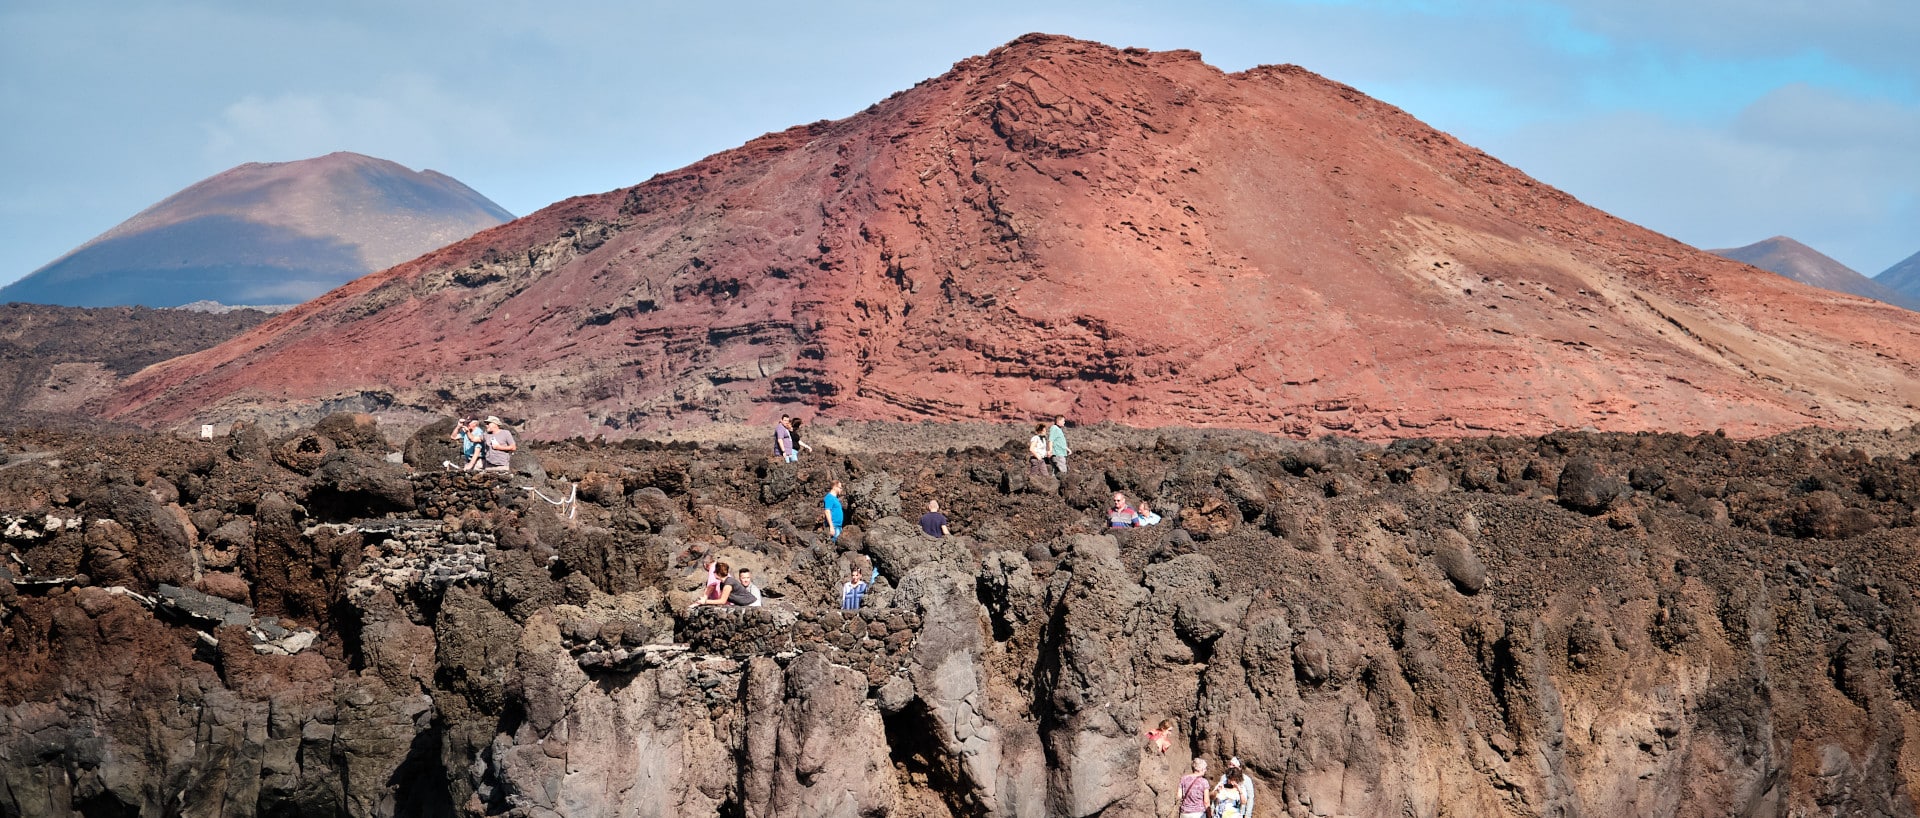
933 522
740 590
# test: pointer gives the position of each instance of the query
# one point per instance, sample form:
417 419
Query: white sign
206 431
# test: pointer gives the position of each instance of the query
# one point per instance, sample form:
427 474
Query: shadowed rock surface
60 359
1060 226
1580 624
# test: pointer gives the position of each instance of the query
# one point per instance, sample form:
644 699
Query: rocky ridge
1063 227
1571 624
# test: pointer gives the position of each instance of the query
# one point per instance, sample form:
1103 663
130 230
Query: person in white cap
1246 784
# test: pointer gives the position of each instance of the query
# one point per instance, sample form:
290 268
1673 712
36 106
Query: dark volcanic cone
265 233
1060 226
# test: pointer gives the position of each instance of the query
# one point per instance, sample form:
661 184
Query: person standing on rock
1245 786
794 427
834 511
933 522
1229 801
850 593
1037 452
1057 442
500 446
1193 791
783 439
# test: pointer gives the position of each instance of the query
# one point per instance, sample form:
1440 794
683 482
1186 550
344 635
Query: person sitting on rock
1121 515
852 591
1160 738
1144 516
500 446
477 452
933 522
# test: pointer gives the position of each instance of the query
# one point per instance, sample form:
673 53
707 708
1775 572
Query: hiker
851 592
834 510
1057 442
794 427
1144 516
1121 515
1037 452
1193 791
933 522
500 446
783 439
1245 785
1160 738
1229 801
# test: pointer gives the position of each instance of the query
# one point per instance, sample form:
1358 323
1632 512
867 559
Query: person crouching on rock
713 594
500 446
1037 452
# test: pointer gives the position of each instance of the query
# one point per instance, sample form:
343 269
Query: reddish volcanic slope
1060 226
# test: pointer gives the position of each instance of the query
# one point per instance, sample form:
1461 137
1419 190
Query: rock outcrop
1435 627
1063 227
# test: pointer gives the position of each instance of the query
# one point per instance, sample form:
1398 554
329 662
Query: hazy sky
1718 122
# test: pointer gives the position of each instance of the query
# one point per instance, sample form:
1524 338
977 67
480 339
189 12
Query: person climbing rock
1160 738
714 593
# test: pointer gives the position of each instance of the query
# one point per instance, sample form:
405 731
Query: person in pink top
1193 791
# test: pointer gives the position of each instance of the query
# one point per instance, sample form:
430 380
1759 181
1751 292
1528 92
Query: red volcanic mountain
265 233
1784 256
1060 226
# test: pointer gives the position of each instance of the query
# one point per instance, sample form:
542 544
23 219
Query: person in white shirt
1246 784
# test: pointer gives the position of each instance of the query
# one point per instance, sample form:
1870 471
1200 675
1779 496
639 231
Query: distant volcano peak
265 233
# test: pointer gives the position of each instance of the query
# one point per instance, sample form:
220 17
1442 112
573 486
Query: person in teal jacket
1057 443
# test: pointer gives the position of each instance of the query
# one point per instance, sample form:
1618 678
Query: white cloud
408 119
1835 171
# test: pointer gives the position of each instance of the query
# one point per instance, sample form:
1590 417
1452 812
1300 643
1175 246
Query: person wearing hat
500 446
1246 784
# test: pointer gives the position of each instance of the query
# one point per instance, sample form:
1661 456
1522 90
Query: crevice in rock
926 766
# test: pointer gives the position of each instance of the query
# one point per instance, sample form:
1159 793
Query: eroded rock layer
1569 625
1060 226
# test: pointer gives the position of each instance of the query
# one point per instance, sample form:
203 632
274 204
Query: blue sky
1718 122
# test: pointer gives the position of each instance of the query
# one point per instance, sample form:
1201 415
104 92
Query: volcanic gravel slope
1580 624
1060 226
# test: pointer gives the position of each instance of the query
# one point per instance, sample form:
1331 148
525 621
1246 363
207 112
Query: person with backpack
1193 791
